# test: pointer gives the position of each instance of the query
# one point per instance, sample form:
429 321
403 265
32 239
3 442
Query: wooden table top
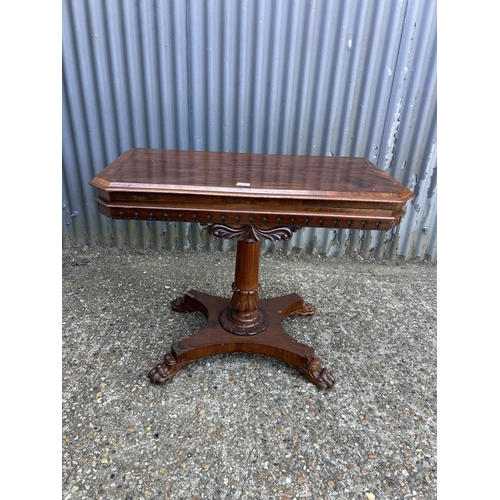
242 188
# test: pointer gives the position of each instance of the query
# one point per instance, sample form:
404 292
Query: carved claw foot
321 377
180 305
165 371
307 309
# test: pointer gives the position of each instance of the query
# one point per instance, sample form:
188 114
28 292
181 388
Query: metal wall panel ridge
302 77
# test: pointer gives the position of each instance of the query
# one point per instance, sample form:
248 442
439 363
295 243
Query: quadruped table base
213 338
243 323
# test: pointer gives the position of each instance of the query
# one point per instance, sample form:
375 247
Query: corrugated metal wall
308 77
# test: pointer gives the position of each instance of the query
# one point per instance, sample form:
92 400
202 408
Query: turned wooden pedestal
250 198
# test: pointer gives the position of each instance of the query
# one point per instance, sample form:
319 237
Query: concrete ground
247 426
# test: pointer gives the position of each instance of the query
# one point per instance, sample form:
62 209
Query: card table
248 198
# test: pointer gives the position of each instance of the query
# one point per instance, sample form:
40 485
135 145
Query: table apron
368 219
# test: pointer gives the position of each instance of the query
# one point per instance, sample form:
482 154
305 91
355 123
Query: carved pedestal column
245 317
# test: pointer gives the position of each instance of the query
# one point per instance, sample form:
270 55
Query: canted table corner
249 198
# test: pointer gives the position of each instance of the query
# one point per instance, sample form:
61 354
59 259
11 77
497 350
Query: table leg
243 323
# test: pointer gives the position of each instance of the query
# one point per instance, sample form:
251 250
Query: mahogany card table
248 198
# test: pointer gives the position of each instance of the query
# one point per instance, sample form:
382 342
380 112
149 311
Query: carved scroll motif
250 233
163 372
307 309
319 376
180 305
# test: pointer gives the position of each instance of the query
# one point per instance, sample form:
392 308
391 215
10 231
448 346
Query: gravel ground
246 426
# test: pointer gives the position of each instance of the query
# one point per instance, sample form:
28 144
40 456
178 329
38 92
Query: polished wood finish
250 189
249 198
244 316
214 339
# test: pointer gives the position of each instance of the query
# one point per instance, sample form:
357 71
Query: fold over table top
241 188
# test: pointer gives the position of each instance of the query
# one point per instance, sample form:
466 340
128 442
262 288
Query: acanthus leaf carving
250 233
